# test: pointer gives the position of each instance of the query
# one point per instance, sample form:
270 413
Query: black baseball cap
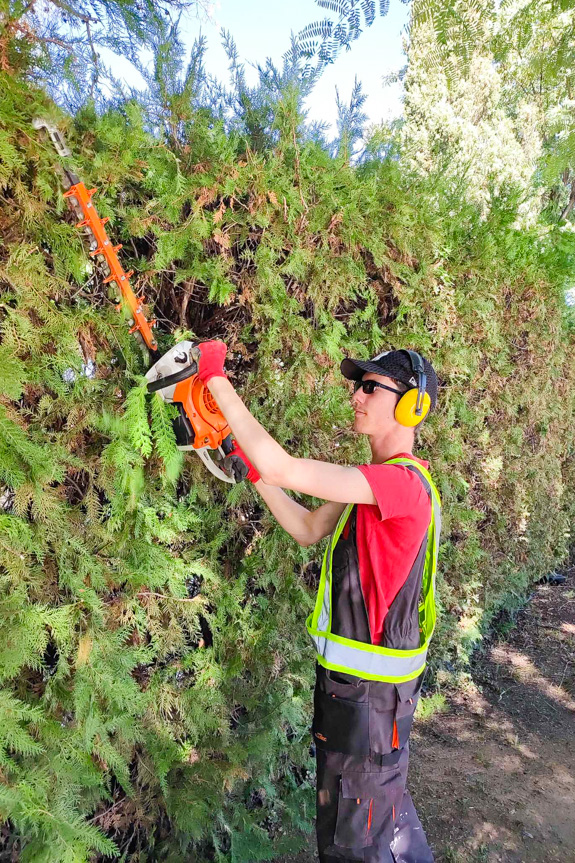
392 364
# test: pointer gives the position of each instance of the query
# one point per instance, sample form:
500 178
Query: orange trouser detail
395 739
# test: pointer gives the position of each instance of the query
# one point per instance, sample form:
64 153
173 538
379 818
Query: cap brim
354 370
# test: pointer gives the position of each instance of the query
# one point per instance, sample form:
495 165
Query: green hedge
155 674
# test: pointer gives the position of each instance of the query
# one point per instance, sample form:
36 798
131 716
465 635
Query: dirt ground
493 777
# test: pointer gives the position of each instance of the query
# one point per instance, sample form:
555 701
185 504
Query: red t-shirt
389 534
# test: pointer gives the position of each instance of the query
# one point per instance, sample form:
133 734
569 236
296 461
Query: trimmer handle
176 378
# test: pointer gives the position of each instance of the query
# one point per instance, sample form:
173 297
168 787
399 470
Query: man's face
374 413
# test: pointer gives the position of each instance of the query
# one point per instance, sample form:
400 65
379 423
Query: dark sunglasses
369 387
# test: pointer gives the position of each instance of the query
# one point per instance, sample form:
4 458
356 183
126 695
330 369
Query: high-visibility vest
370 661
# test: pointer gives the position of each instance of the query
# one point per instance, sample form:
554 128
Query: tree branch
61 4
570 203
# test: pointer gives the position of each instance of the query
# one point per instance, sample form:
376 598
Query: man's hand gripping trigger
239 466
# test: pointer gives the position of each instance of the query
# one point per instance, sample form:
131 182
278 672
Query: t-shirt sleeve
397 490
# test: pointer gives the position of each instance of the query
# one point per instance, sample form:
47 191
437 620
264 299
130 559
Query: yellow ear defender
414 405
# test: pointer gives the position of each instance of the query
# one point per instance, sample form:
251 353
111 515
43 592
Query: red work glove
211 362
237 464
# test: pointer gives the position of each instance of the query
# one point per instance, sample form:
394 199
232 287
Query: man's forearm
270 459
264 453
292 516
262 450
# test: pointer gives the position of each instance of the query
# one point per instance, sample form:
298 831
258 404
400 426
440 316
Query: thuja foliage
155 675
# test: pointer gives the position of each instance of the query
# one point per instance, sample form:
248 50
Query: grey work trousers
365 813
361 731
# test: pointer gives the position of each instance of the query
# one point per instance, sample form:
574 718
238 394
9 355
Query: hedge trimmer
200 425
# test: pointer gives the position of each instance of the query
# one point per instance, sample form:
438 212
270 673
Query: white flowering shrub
534 42
457 124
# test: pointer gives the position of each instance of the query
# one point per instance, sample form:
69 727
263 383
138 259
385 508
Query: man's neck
385 448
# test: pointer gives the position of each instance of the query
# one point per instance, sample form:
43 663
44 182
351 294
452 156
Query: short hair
403 388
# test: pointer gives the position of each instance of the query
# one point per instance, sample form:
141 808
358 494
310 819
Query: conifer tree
61 42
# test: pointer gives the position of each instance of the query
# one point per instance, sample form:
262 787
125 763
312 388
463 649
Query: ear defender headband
414 405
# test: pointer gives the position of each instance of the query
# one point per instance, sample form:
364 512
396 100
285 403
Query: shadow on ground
494 777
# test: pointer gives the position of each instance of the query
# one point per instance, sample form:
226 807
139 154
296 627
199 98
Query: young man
369 626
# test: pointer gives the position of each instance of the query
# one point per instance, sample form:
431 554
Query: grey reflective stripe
434 503
435 520
323 622
437 526
366 662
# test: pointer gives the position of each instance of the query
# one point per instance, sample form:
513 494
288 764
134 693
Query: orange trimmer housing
210 425
200 426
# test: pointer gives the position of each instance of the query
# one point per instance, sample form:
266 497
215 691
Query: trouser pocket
407 698
366 810
382 711
340 725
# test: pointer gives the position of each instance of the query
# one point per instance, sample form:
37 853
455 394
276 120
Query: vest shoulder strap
423 474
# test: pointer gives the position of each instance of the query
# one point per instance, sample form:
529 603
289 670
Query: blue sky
261 29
